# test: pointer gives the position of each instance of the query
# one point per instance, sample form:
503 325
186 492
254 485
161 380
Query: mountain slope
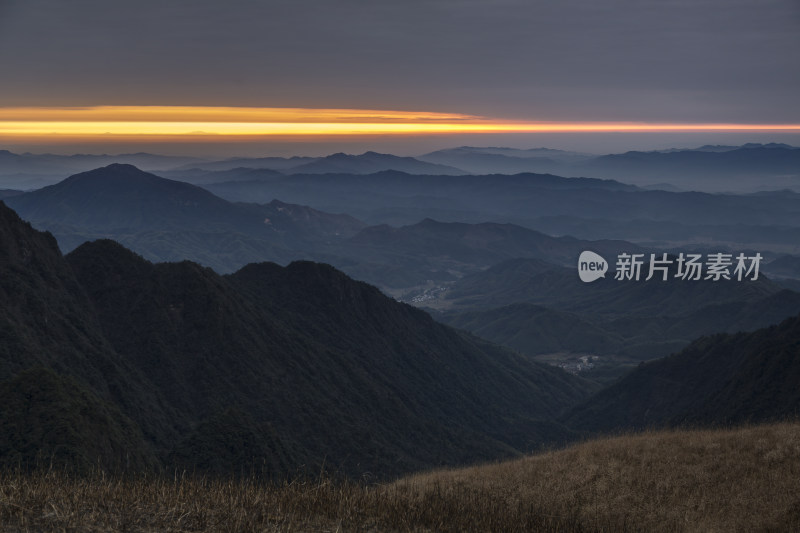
721 379
48 322
534 329
51 419
304 350
301 363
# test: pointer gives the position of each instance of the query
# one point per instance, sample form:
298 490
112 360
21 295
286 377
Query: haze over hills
582 207
338 163
27 171
442 252
749 168
545 283
544 310
301 362
430 263
370 163
172 220
30 171
746 168
498 160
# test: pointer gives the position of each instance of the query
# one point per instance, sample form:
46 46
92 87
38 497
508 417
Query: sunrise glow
197 123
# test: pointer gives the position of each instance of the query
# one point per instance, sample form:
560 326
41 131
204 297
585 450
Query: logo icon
591 266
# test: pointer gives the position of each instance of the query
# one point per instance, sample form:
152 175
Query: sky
505 62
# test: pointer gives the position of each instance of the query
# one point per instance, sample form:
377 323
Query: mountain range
109 360
744 168
488 277
269 370
585 208
168 220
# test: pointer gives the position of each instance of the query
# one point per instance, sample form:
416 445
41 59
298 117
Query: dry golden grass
711 480
733 480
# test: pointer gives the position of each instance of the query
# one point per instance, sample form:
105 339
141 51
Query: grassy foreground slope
707 480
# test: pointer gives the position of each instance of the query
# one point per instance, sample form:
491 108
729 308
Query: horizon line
215 124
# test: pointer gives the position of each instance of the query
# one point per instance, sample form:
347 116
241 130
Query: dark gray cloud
698 60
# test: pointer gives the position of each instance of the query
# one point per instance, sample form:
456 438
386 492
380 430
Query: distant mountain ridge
588 208
708 168
370 163
173 220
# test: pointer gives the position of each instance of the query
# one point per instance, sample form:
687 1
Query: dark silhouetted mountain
721 379
370 163
299 348
47 321
48 419
295 365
